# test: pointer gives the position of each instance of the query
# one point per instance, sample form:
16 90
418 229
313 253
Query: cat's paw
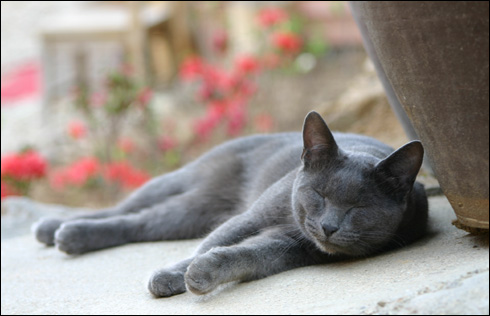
72 238
164 283
207 271
44 230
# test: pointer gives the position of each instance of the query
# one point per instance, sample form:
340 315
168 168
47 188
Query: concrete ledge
445 273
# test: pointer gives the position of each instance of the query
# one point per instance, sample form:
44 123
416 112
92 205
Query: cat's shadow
227 289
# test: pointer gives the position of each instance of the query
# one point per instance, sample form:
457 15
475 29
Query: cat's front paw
164 283
207 271
72 238
44 230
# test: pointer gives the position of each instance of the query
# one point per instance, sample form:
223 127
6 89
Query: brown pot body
434 59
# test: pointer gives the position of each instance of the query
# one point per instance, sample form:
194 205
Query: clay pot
432 58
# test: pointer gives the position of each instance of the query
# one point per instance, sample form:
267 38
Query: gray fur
264 210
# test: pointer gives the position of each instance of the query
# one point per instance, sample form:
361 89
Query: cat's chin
333 249
324 245
327 248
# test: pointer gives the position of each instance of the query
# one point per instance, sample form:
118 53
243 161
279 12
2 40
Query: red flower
82 170
98 99
203 127
21 82
246 89
76 174
219 80
24 166
216 84
57 180
126 145
236 119
144 97
125 174
287 42
76 129
167 142
271 60
247 64
205 92
220 41
191 68
270 16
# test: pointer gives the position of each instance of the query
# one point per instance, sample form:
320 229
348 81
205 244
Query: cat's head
347 202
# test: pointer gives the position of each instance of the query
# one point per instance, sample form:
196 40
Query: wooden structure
81 46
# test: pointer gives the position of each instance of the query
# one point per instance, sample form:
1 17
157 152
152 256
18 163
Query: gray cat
265 209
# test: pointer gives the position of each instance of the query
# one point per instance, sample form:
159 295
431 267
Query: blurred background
100 96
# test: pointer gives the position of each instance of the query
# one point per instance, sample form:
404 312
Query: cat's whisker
293 243
394 238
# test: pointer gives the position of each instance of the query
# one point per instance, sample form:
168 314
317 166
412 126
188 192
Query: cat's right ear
318 141
398 171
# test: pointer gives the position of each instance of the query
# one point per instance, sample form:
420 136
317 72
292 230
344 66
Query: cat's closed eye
357 208
318 192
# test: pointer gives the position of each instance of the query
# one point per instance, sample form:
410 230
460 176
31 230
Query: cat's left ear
318 141
400 169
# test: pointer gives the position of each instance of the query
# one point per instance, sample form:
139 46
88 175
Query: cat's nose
329 229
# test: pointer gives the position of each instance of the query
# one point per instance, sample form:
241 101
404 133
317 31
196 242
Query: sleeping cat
268 203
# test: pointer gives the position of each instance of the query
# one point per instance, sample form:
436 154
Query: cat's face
342 209
350 203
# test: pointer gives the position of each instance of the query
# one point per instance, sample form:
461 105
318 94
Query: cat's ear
399 170
318 141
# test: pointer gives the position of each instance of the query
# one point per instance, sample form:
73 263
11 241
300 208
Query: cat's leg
181 217
233 231
153 192
268 253
240 229
45 228
170 280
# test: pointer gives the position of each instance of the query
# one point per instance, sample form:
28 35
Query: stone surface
363 108
19 213
445 273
